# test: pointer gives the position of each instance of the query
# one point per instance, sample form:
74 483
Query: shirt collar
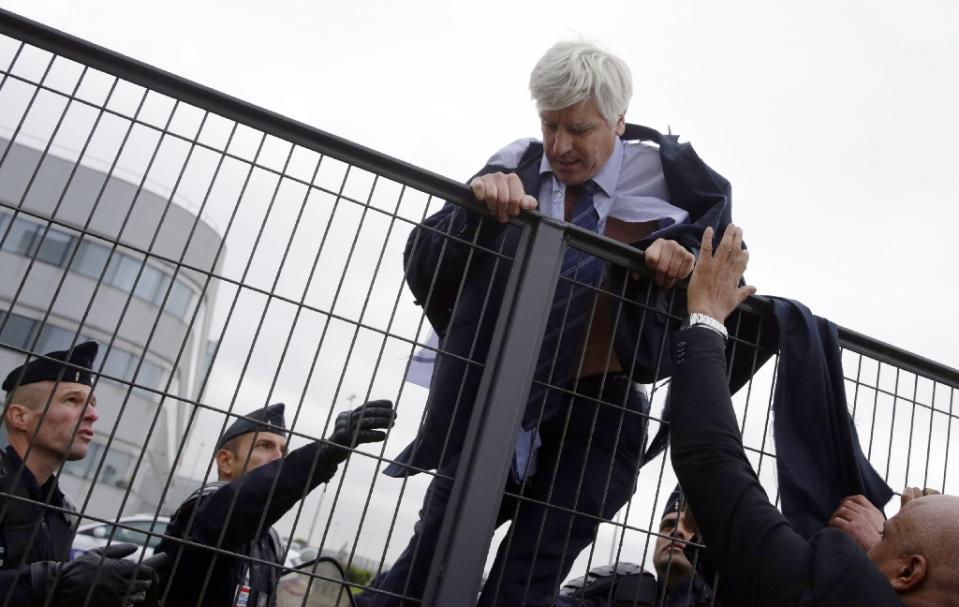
608 175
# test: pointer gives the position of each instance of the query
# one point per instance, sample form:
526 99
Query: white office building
65 280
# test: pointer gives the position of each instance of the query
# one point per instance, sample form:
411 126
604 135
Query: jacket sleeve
435 258
761 560
239 511
653 313
695 187
742 530
15 587
437 253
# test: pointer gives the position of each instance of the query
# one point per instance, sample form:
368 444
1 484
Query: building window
152 285
122 272
22 238
91 258
115 467
178 303
54 248
53 338
19 332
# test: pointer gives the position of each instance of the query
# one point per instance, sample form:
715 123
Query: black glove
360 426
98 578
160 563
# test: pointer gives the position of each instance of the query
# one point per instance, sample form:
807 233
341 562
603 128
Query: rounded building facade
85 255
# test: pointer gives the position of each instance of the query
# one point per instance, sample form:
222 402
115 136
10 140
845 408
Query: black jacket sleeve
437 253
235 511
761 560
437 250
15 586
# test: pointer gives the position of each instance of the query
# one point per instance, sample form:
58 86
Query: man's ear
18 417
621 125
224 464
911 571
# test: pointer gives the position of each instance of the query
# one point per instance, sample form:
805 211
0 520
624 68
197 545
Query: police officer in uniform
49 412
675 558
676 584
256 486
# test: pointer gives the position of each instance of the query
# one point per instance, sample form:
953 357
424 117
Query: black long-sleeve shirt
761 560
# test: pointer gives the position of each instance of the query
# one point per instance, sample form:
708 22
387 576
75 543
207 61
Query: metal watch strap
702 320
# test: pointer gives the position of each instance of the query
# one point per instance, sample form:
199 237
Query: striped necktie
570 313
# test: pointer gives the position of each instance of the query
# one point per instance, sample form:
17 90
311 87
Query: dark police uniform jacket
461 288
640 589
237 517
760 559
29 533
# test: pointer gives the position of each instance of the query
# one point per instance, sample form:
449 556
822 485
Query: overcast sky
835 121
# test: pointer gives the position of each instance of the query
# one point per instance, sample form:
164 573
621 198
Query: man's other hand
503 195
911 493
860 520
669 260
714 287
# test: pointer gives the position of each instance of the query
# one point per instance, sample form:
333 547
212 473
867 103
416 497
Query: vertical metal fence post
467 531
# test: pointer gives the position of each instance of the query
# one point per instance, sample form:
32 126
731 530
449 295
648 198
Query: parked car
315 583
94 535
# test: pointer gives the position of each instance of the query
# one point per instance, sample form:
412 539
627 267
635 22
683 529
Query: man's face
69 413
578 141
263 448
668 553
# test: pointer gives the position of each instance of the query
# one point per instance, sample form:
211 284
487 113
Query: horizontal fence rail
226 258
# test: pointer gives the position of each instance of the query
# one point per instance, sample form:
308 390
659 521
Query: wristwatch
696 319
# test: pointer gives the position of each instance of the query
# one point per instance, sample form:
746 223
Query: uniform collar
29 482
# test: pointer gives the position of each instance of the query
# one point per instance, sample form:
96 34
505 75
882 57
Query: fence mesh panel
226 259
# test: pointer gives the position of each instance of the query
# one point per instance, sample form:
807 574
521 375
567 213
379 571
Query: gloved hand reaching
99 577
361 425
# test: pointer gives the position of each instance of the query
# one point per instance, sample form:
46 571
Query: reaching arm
236 510
761 560
748 539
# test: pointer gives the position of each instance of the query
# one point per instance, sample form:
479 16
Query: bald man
917 551
760 559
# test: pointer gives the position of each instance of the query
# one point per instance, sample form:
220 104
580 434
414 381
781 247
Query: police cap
673 503
268 419
75 369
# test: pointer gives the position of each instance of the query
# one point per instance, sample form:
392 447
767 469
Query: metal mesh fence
226 258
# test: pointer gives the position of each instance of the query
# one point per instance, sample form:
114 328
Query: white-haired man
572 455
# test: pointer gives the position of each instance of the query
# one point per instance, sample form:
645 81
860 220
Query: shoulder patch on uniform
207 489
191 500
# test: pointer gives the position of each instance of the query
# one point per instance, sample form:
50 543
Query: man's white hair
574 71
